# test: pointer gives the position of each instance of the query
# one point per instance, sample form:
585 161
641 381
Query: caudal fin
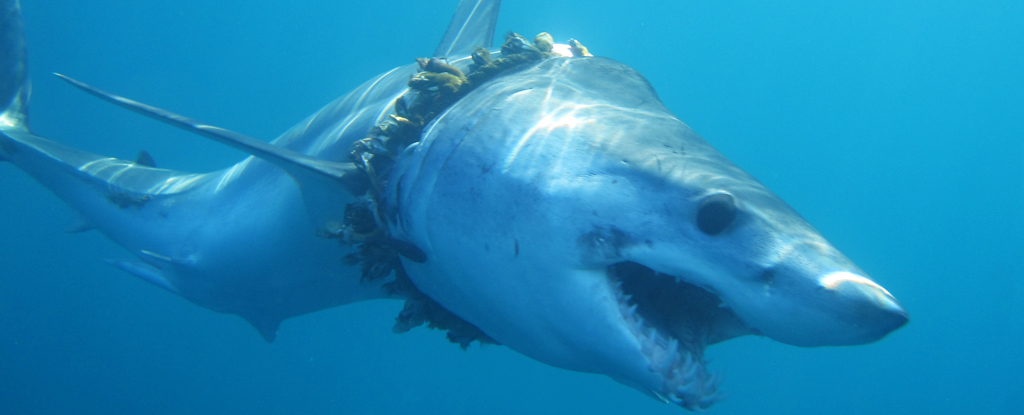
14 84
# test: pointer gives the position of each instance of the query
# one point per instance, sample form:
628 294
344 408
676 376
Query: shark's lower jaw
674 322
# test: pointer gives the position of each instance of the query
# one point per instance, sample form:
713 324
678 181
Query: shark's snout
840 306
873 310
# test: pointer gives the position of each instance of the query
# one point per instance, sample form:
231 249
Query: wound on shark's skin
126 200
604 244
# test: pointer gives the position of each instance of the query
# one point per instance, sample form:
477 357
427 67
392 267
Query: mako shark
552 204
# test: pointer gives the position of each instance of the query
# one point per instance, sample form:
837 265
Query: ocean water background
895 128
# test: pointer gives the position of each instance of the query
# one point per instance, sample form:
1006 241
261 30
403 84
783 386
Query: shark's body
236 241
560 208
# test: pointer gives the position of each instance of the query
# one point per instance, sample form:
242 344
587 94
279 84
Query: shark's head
569 215
690 214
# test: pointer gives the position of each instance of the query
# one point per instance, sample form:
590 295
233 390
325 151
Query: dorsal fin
144 159
14 84
471 27
326 185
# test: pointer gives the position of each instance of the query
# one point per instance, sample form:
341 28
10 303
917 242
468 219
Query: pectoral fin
327 186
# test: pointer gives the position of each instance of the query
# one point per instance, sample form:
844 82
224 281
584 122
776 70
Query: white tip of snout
833 281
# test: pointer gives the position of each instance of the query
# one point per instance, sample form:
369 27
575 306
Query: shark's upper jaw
800 291
673 322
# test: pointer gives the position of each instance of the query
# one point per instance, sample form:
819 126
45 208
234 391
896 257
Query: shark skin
560 208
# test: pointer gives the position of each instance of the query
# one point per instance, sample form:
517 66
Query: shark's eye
716 212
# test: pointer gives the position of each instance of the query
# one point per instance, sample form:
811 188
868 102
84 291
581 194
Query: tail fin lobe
14 84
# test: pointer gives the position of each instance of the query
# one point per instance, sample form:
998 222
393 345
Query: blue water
894 127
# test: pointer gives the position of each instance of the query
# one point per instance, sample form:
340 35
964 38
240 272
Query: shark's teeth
689 360
691 372
694 388
649 332
686 381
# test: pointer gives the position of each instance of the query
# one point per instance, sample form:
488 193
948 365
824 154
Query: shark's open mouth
674 321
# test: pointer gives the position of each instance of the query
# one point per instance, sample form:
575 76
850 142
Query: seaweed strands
420 309
436 87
